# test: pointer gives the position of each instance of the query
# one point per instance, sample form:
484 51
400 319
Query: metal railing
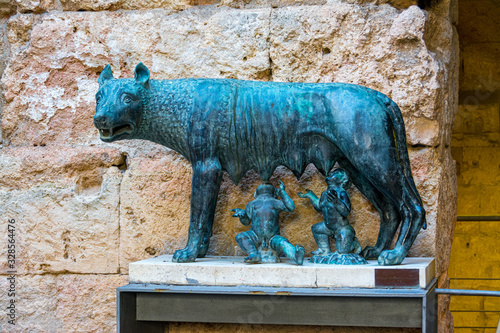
467 292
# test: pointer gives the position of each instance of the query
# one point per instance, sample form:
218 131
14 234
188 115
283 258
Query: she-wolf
235 126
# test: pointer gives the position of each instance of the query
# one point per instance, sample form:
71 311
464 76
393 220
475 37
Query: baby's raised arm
288 203
242 215
311 196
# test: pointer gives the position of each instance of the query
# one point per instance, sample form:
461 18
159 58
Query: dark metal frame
149 308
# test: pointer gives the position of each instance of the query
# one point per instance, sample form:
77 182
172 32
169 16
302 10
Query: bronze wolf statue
235 126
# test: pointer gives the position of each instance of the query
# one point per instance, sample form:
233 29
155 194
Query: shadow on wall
427 3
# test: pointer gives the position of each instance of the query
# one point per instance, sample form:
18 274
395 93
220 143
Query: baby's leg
247 242
322 235
357 247
281 244
345 239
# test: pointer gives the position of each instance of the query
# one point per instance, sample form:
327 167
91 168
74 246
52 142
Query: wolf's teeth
104 132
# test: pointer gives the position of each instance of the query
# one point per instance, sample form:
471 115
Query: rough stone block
480 76
99 5
36 6
445 220
477 166
427 172
51 79
400 4
7 7
64 303
87 303
35 303
478 20
65 207
154 207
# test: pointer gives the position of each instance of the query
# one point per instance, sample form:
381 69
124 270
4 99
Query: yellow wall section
475 256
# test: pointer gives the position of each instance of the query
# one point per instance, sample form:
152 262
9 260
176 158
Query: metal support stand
149 308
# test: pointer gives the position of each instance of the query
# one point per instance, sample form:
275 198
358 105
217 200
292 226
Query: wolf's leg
205 186
414 213
389 178
207 234
389 215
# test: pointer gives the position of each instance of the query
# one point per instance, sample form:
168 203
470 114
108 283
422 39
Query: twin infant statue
263 242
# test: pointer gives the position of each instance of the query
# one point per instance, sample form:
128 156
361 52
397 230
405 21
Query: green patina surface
235 126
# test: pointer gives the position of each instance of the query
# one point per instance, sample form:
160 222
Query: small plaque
396 277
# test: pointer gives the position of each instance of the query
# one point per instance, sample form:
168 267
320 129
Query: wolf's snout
101 121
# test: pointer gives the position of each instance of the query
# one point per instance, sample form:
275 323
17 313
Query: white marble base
232 271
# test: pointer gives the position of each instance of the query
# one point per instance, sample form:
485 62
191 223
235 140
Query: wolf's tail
400 137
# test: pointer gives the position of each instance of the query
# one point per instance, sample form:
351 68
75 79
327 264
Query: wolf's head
118 104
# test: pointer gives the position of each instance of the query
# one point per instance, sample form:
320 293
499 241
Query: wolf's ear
142 75
106 75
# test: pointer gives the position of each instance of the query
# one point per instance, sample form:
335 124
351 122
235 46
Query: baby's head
338 178
266 188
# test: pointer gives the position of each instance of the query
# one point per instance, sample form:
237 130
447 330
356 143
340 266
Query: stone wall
84 209
475 260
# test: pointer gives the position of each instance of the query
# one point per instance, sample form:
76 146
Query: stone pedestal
232 271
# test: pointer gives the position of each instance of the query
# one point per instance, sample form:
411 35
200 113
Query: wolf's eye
127 99
98 99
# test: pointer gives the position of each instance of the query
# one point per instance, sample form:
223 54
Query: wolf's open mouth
108 133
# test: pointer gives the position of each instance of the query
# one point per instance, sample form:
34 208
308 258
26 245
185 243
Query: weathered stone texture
36 6
98 5
39 6
51 81
64 303
7 7
51 99
154 207
35 301
87 303
65 204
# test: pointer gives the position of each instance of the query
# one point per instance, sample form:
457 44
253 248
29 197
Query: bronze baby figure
335 205
263 242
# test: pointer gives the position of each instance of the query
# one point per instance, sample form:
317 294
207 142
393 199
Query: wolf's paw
391 257
370 252
184 255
